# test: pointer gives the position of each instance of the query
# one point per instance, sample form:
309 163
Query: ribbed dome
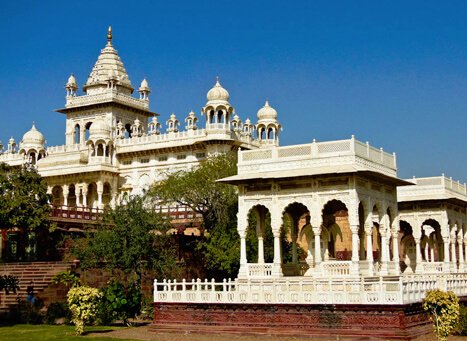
33 138
218 93
99 130
267 112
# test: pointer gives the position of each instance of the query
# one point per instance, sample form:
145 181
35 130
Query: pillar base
277 270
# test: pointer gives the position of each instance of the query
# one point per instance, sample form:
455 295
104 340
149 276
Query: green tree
216 202
443 308
23 198
131 238
24 203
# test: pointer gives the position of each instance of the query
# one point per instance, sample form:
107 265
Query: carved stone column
277 268
446 265
78 195
276 222
260 250
66 191
355 250
260 226
418 254
453 254
84 191
100 191
395 252
317 233
460 242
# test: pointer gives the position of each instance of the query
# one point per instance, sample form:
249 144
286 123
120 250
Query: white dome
267 112
33 138
99 129
71 80
218 93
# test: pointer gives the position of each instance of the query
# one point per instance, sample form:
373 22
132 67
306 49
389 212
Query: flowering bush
83 303
443 308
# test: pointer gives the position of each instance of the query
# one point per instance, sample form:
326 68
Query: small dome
71 80
33 137
267 112
144 84
99 129
218 93
11 140
247 121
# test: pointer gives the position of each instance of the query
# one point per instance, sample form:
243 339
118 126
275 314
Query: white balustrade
431 267
259 270
288 290
328 153
336 268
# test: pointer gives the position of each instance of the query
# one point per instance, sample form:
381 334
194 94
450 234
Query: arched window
100 149
211 116
32 156
270 134
220 117
262 133
77 134
127 130
87 126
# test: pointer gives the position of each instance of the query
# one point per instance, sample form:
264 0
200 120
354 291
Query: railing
93 160
259 270
106 96
433 186
431 267
179 212
87 213
336 268
371 290
218 126
316 150
78 213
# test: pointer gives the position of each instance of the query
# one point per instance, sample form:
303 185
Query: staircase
40 273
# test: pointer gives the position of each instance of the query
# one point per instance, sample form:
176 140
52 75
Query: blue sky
393 73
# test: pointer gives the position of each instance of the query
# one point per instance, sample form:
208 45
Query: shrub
83 302
67 278
462 326
120 302
443 308
9 283
25 312
58 310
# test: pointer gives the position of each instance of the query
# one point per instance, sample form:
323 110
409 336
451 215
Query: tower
217 109
267 128
107 98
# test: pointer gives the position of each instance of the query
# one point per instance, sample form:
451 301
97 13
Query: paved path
143 333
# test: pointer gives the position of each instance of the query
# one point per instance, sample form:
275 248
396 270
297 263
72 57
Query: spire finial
217 81
109 35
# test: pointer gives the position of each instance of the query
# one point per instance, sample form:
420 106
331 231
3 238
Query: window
200 155
162 158
144 161
126 162
181 157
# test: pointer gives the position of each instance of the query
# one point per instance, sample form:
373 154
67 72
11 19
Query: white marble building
115 145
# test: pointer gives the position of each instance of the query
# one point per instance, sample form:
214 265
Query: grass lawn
27 332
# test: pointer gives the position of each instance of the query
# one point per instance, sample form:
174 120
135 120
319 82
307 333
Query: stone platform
402 322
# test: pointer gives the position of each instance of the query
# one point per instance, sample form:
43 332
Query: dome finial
217 81
109 35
